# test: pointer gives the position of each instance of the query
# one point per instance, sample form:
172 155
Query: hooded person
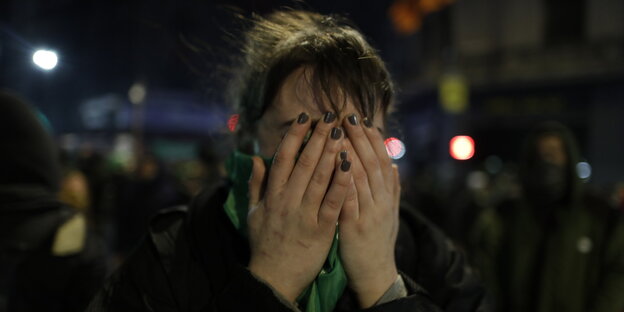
312 97
49 261
558 247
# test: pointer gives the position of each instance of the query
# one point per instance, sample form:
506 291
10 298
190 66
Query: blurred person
210 154
49 260
313 94
558 247
149 189
101 187
74 191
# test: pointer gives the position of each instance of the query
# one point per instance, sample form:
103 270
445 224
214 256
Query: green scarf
324 292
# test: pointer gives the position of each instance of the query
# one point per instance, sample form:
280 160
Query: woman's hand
370 215
292 225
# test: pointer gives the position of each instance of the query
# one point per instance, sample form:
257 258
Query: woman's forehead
296 95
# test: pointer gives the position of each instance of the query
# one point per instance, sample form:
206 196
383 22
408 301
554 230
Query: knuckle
306 161
351 196
342 182
322 130
357 134
331 204
359 175
332 146
320 178
279 158
370 162
385 161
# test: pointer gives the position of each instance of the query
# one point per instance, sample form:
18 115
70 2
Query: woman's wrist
371 290
280 286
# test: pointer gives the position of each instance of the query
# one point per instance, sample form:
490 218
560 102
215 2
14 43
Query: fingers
379 147
284 159
319 183
256 180
316 163
365 151
361 182
350 210
396 186
334 199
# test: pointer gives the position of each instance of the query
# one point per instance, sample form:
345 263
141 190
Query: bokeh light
583 170
395 148
137 93
462 147
477 180
45 59
232 122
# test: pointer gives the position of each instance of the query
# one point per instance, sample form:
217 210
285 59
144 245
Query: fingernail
303 117
336 133
353 119
345 165
343 155
367 122
329 117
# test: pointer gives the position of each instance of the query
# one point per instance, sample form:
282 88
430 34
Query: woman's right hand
292 225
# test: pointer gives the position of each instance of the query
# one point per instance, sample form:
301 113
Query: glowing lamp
45 59
462 147
395 148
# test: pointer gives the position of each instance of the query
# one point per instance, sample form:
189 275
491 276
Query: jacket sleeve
611 286
163 275
139 284
246 293
440 268
417 300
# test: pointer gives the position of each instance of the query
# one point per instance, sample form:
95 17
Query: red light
395 148
232 122
462 147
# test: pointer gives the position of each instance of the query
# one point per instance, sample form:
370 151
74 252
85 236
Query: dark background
523 61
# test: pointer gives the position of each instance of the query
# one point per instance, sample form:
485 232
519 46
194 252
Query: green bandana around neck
323 293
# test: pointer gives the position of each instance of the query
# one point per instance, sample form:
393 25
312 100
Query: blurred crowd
529 229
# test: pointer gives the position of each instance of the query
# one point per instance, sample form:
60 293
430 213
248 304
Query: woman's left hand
369 219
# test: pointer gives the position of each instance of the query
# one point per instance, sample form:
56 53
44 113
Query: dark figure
49 261
150 189
313 93
558 247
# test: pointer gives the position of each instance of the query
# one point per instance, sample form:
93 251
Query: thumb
256 180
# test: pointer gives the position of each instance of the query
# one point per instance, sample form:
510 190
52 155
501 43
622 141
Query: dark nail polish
303 117
343 155
353 119
329 117
367 123
345 166
336 133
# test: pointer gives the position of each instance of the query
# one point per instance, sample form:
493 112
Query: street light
45 59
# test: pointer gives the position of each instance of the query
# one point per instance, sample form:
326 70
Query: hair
340 59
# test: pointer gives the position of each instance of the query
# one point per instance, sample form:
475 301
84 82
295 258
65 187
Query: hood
29 156
531 163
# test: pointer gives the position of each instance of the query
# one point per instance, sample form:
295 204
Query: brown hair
341 59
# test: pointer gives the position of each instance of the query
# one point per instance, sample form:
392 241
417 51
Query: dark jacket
542 252
49 261
195 261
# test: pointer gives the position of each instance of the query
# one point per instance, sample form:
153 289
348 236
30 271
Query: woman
312 97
